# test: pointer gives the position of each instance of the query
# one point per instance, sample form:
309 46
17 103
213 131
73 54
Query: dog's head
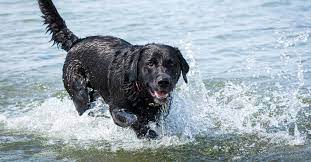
158 68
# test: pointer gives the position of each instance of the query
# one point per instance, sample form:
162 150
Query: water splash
199 110
57 119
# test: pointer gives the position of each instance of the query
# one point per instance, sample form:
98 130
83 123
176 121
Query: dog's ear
183 64
133 63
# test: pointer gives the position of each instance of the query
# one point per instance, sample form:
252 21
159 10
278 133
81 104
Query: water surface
248 96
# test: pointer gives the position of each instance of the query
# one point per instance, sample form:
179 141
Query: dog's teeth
161 95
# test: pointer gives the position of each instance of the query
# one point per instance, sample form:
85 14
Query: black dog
134 80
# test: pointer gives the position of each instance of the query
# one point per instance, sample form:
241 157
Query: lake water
248 96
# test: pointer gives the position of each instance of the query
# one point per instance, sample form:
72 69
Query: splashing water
57 118
199 110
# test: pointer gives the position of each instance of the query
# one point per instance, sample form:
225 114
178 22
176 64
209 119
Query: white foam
58 119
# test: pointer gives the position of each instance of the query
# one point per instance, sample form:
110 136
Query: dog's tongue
161 94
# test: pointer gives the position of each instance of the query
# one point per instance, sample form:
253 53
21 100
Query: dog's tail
61 35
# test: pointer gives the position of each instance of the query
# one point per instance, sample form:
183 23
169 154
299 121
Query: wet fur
109 67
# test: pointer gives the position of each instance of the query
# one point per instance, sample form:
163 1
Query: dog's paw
151 134
123 118
130 119
147 133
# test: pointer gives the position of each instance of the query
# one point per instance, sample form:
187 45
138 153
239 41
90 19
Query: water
248 96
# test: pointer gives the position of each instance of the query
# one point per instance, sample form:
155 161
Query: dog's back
106 58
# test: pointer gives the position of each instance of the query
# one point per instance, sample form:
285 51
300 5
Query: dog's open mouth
160 96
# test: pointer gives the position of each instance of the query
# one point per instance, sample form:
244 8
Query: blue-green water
248 98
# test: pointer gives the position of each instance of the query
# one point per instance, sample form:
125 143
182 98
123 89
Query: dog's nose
164 82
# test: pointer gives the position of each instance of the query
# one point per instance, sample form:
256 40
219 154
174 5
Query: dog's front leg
125 118
122 117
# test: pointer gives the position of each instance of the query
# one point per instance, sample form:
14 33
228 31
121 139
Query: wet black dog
134 80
